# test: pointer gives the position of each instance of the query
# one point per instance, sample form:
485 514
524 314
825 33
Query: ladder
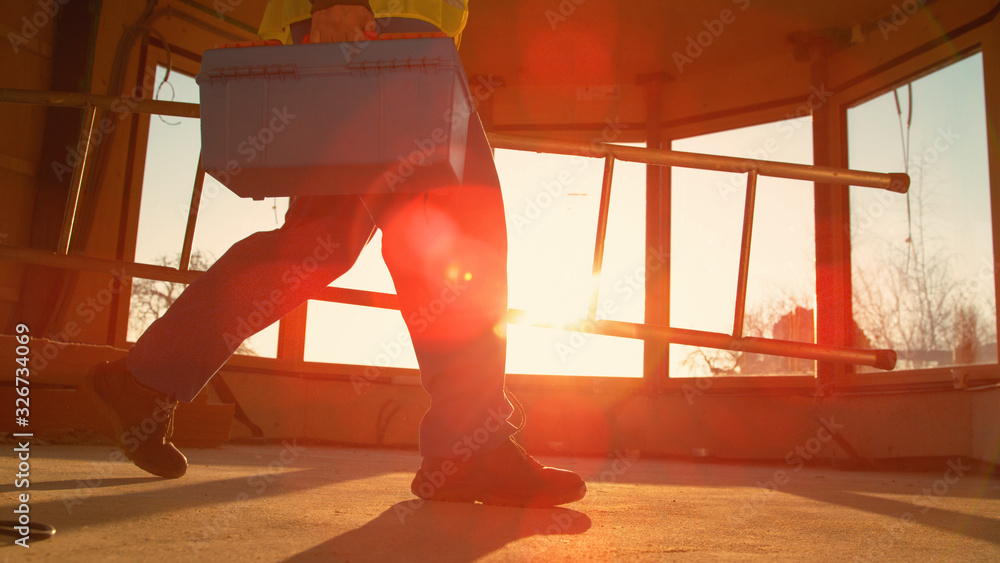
736 341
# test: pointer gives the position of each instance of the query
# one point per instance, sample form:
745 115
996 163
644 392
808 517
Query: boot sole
542 501
469 496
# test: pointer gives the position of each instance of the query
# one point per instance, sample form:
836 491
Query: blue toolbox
388 115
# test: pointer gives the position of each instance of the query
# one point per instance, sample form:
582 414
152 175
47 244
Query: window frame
921 61
925 59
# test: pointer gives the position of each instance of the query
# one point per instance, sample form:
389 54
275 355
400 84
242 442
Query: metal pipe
117 104
76 183
741 282
895 182
602 232
881 359
123 269
91 264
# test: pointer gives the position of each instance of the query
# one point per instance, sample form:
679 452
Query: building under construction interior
753 287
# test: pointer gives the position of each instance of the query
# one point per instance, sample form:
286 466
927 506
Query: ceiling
613 41
574 62
558 58
586 42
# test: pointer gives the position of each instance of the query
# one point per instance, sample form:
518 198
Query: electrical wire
904 137
168 68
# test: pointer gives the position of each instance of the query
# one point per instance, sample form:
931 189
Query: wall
26 57
709 418
986 426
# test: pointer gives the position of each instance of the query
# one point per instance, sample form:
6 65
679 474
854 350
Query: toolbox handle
374 36
369 35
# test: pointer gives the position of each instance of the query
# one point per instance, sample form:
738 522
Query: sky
551 204
946 215
947 164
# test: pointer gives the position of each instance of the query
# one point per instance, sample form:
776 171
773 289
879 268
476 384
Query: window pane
168 178
225 219
168 181
552 204
706 230
923 262
350 334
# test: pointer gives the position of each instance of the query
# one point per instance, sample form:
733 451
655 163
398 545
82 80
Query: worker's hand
341 23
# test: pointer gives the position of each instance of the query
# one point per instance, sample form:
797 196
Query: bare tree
909 297
907 302
966 334
759 321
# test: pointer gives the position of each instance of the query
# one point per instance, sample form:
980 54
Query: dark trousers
446 249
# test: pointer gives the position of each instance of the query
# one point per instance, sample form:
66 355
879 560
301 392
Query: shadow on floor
921 508
442 531
88 500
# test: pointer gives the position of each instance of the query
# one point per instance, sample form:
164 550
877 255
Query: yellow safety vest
448 15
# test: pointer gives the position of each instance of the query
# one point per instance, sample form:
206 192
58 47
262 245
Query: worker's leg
447 252
256 282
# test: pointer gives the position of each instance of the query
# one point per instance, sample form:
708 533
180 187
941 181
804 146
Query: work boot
143 419
506 476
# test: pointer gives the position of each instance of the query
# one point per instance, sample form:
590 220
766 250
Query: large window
922 262
350 334
551 204
168 181
552 208
706 227
923 272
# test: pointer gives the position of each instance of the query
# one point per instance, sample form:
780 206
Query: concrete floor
304 503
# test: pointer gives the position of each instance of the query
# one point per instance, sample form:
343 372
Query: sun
562 306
